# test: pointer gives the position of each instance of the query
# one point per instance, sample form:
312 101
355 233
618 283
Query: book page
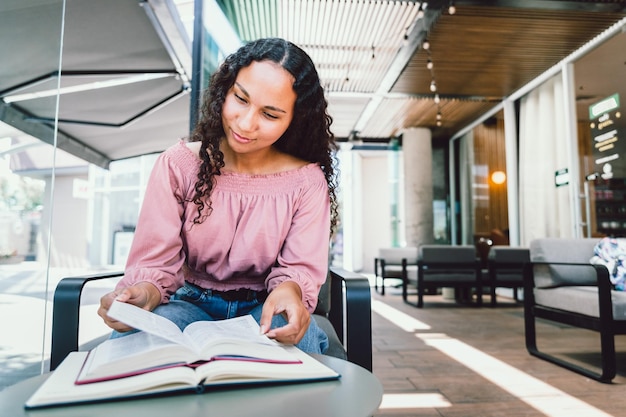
131 353
306 368
59 388
244 328
147 321
239 336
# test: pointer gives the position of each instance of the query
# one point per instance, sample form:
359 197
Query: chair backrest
563 250
509 254
507 263
448 263
447 254
323 300
394 256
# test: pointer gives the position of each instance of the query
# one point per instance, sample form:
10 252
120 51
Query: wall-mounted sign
607 127
561 177
605 106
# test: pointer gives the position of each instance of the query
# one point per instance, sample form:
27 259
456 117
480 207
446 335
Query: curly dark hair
308 137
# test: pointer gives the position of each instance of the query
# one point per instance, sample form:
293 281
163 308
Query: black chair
506 269
440 266
343 312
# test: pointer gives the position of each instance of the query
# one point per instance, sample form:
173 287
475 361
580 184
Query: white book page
147 321
244 328
133 352
59 388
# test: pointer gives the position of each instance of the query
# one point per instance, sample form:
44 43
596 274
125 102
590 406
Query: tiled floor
454 360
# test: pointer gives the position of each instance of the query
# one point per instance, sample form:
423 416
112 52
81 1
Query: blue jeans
191 303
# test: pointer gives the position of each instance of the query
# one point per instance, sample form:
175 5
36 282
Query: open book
233 352
161 344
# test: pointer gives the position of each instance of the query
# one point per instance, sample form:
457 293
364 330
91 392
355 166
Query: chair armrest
350 293
601 272
65 314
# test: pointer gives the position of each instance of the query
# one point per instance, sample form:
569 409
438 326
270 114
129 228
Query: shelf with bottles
610 202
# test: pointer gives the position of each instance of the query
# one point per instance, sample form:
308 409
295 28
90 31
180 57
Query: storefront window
601 112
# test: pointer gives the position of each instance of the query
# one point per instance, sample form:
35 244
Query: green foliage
22 194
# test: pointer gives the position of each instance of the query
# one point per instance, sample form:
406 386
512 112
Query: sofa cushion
563 250
580 299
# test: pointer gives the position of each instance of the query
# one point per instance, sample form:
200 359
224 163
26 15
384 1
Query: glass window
601 99
27 185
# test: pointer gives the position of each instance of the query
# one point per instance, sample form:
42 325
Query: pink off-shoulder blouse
263 230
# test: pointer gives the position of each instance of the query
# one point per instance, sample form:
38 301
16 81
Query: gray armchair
343 312
394 263
441 266
561 286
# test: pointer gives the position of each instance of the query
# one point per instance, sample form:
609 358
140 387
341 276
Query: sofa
562 286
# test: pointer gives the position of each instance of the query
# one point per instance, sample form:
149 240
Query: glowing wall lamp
498 177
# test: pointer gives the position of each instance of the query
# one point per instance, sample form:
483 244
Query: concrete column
418 186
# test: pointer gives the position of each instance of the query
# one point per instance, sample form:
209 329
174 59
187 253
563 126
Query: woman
238 220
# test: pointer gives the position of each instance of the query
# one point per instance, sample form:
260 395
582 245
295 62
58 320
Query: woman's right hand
142 294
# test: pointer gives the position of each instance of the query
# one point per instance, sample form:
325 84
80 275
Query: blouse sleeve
304 255
156 254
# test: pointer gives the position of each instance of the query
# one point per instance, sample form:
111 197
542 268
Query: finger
124 296
105 303
286 334
295 328
267 313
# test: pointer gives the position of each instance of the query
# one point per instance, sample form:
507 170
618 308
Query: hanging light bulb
429 64
439 123
438 115
426 45
452 9
433 86
437 99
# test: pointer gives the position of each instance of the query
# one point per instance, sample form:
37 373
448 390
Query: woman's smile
241 139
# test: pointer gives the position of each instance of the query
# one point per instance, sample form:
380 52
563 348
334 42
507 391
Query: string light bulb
429 64
433 86
426 45
438 115
452 8
437 99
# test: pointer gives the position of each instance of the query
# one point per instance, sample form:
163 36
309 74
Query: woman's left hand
285 299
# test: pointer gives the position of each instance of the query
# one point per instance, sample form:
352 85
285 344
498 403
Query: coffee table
357 393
